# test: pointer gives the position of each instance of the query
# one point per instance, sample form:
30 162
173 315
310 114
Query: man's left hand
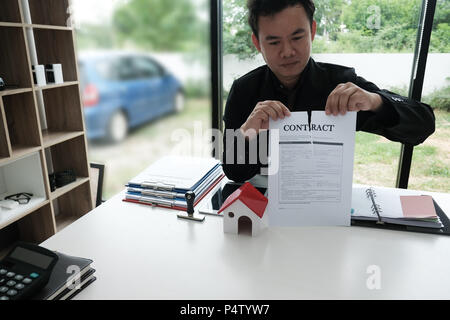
350 97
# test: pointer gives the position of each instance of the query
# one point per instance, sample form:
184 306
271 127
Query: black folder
85 280
445 230
62 275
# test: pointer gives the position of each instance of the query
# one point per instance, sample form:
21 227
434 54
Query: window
108 69
125 69
174 33
377 38
430 169
145 68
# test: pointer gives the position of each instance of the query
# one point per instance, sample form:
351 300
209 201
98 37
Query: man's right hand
259 118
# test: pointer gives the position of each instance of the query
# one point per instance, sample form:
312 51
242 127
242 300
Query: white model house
244 207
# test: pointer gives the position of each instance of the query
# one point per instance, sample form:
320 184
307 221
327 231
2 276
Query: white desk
141 252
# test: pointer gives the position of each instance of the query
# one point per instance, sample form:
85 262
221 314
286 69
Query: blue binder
165 182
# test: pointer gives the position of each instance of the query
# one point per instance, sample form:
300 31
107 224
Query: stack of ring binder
165 182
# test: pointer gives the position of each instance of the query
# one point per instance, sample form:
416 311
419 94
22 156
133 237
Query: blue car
125 90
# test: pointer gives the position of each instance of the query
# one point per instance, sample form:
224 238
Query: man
283 32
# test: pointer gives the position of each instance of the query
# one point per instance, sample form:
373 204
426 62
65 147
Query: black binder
85 280
445 230
61 277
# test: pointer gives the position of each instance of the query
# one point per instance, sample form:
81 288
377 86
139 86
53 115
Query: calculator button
34 275
10 274
3 289
27 280
19 286
3 271
18 277
11 283
4 298
11 292
2 280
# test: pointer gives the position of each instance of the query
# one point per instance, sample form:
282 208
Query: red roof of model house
250 196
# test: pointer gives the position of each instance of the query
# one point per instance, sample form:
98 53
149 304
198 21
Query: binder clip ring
158 185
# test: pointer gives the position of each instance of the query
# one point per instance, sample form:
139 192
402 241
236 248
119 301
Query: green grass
371 148
376 159
437 169
442 119
425 151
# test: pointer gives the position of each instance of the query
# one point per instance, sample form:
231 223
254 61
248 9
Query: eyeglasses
21 198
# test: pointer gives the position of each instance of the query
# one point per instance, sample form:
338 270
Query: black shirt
399 119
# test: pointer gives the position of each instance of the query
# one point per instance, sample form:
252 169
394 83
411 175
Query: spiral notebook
382 206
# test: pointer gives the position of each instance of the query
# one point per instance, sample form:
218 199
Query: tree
236 30
328 18
370 26
442 14
160 25
91 36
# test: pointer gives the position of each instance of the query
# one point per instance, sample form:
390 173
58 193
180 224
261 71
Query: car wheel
118 127
179 101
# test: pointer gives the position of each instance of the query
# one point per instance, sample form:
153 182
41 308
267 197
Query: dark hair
266 8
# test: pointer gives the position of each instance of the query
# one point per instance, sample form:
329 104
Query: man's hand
259 118
350 97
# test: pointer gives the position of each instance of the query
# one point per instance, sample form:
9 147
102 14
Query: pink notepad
418 207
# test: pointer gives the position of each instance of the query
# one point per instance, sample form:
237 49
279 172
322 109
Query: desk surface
141 252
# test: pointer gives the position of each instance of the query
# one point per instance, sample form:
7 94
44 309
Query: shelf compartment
61 157
72 205
35 227
8 236
22 122
49 12
21 150
14 66
51 138
53 86
9 92
5 146
38 226
23 175
8 217
67 188
56 46
10 11
63 109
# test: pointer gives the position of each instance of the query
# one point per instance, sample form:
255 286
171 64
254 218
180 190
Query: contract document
311 169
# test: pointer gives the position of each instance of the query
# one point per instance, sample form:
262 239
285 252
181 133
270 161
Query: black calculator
25 271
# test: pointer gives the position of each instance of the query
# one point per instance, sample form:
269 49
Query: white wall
23 175
385 70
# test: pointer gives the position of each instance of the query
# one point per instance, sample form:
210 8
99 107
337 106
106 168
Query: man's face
285 40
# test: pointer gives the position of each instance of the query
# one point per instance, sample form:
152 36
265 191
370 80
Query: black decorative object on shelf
61 178
52 180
